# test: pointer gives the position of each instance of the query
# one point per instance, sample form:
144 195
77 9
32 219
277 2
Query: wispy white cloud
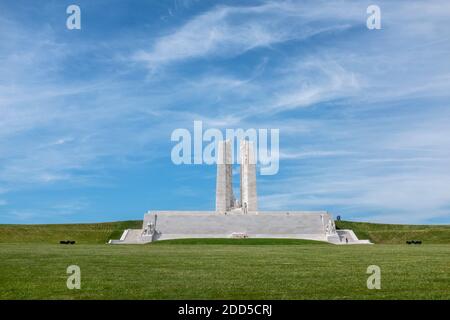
298 155
52 213
390 197
392 176
229 31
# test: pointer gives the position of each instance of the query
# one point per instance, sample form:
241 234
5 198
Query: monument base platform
165 225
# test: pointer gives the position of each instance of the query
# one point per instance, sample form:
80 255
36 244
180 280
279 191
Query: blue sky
86 115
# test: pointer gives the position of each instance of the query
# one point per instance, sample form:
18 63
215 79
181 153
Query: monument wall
268 224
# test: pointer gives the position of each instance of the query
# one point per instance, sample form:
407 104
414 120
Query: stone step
347 236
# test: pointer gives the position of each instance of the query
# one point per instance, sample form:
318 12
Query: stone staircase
347 234
132 236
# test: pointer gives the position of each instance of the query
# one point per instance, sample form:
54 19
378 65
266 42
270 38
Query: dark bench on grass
66 242
413 241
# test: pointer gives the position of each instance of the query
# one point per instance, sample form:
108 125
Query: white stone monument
237 219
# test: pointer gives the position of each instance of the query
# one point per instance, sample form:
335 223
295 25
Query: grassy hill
97 233
397 233
85 233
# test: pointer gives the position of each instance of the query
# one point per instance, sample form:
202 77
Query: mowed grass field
216 268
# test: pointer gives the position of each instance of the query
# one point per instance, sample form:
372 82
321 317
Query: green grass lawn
222 271
33 266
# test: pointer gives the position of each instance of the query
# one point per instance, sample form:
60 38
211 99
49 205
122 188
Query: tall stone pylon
224 185
249 201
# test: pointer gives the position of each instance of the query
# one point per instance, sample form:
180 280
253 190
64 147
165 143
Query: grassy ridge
97 233
88 233
398 234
